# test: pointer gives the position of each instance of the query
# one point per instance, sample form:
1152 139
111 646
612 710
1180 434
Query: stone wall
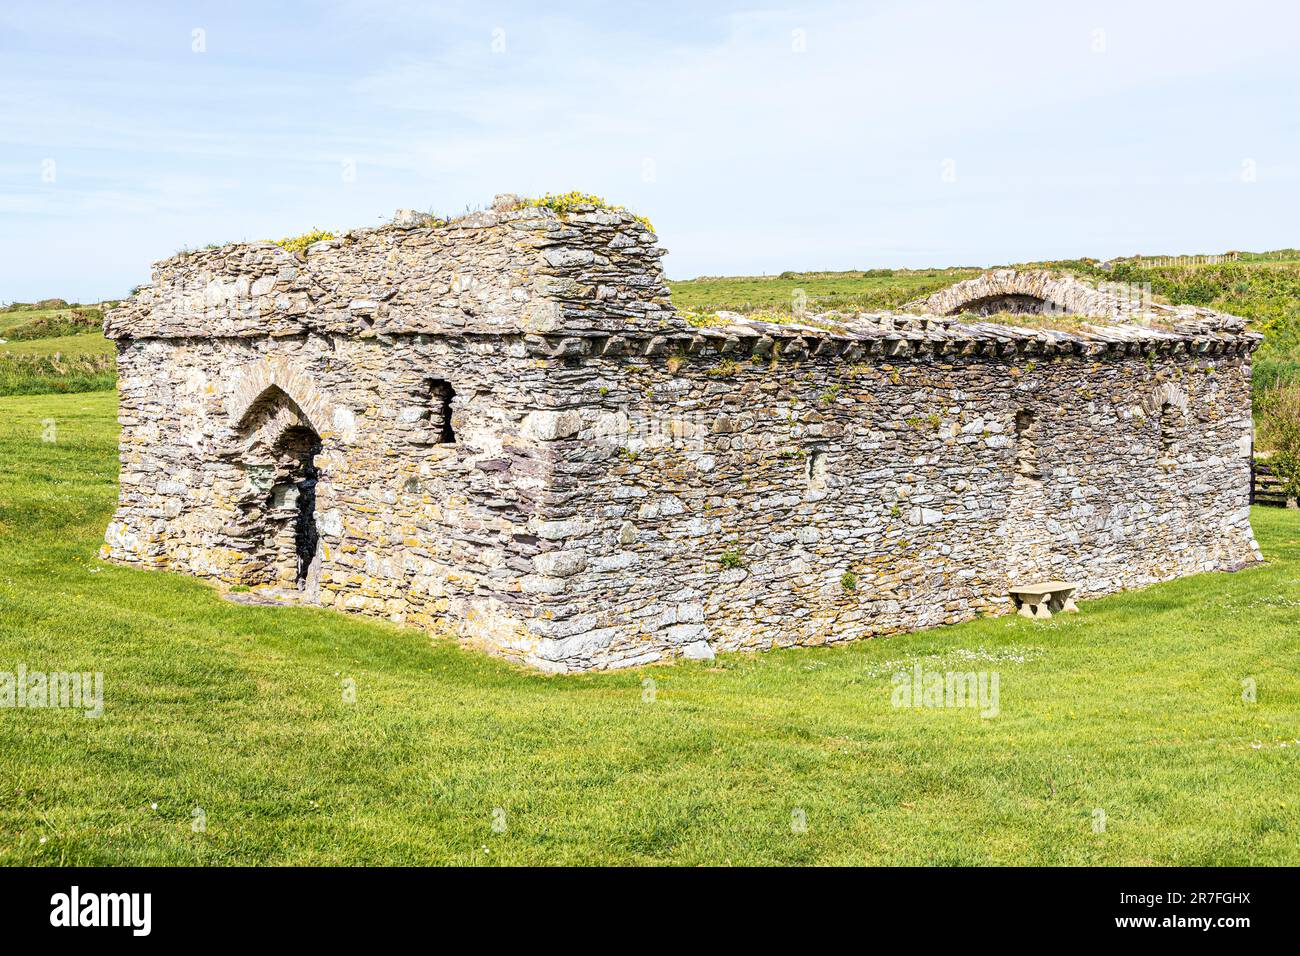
510 432
807 500
411 528
503 270
360 342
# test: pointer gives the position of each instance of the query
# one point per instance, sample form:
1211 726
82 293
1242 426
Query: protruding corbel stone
659 345
363 306
763 345
570 346
796 350
537 345
614 346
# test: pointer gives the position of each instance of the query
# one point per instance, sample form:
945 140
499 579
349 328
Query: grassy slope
12 318
66 345
1134 706
54 350
21 323
1265 291
876 290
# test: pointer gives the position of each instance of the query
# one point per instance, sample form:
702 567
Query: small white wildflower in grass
153 806
957 656
1256 745
42 839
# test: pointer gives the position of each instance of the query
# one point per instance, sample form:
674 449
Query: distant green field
872 290
17 324
71 346
56 349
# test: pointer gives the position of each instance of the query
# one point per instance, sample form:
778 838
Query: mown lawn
1133 707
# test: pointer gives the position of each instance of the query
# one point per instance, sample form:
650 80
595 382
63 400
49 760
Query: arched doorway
275 451
293 501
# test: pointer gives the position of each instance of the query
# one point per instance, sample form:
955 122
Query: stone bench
1040 600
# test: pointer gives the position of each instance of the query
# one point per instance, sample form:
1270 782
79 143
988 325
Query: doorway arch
275 451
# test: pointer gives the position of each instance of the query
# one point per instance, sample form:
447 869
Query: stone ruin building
501 424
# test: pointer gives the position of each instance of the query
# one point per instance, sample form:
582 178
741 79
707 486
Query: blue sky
757 137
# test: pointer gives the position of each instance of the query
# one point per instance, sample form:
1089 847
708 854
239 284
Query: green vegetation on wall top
564 203
300 243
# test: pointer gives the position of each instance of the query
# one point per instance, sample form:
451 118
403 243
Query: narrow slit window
441 395
817 468
1027 446
1168 433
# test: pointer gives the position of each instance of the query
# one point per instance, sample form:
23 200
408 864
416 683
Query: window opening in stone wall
817 468
441 395
1027 446
295 495
1169 429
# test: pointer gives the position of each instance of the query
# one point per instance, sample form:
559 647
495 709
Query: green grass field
59 349
877 289
1134 707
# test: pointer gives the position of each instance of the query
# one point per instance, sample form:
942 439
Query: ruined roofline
896 336
505 208
910 336
585 271
513 268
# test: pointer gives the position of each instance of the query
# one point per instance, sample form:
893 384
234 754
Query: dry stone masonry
501 424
